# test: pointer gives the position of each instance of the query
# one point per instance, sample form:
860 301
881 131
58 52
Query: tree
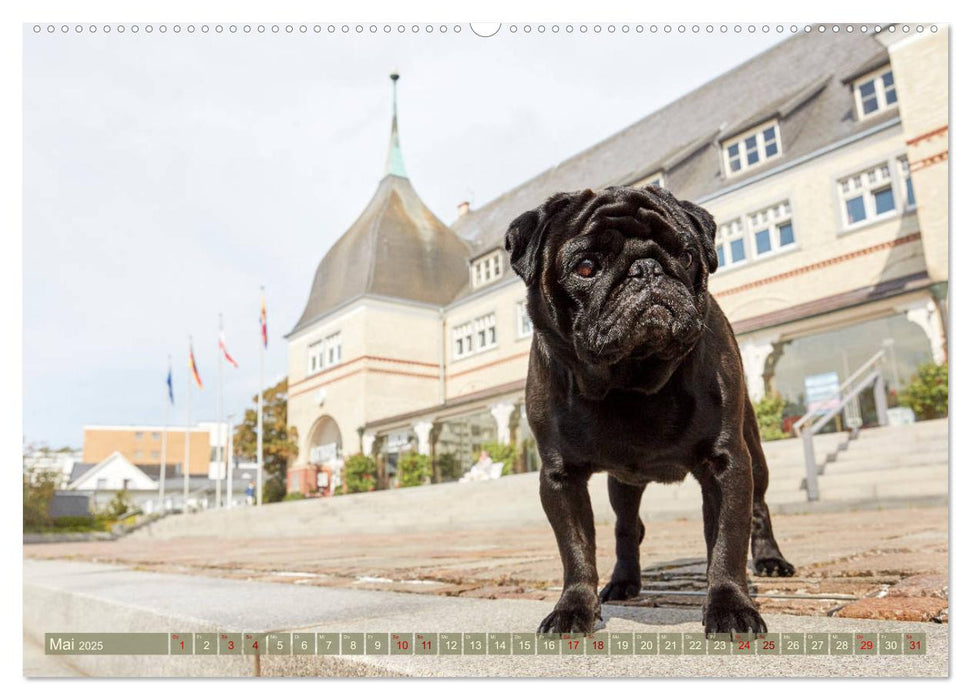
279 442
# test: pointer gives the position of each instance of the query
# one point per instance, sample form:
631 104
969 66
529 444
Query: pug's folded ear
523 243
704 226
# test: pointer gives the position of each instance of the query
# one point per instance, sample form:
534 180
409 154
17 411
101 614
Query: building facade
142 445
824 163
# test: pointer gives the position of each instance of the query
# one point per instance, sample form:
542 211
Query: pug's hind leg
625 582
767 559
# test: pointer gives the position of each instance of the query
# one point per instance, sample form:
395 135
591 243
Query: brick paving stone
924 609
924 586
861 553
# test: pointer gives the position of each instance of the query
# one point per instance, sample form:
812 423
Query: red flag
222 346
263 317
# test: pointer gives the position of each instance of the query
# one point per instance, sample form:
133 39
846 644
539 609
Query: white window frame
315 357
332 350
760 148
485 270
903 169
865 183
880 91
728 232
771 219
475 336
524 324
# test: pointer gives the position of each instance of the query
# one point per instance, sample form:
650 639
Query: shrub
39 487
926 395
274 490
499 452
768 413
414 469
450 467
119 505
360 473
295 496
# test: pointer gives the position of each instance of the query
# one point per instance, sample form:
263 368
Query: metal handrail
875 377
797 426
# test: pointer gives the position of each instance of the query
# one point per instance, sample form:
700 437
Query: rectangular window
889 90
139 434
315 358
904 166
867 195
730 243
156 436
772 228
752 148
762 233
883 200
524 325
763 243
855 210
332 349
101 484
486 269
874 92
155 454
139 454
474 336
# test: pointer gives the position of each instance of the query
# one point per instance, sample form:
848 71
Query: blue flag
168 381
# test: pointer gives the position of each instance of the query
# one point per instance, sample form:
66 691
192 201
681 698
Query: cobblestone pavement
875 564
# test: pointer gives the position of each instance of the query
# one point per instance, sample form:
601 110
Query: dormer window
751 148
485 269
657 179
874 92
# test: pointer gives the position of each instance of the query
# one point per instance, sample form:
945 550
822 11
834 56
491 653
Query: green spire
395 164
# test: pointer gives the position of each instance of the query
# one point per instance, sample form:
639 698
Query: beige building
142 446
824 162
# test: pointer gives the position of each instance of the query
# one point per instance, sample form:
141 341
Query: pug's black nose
646 267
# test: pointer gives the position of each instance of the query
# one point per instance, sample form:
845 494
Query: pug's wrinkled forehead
634 212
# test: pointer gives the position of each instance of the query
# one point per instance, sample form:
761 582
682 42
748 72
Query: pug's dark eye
687 258
586 268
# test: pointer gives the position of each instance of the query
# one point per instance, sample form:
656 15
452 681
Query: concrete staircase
882 467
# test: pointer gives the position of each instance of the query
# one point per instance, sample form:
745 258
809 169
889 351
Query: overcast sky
166 177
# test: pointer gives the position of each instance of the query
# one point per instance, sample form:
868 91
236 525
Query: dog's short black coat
634 370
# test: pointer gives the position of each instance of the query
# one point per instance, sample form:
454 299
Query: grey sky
167 176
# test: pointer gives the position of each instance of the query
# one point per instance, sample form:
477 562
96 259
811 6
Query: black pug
634 370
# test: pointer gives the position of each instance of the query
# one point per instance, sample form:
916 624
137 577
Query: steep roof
397 248
800 81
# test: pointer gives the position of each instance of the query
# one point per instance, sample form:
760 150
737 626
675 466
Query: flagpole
165 431
219 407
259 422
229 467
188 419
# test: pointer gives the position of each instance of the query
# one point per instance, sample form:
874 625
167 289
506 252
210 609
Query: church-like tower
369 342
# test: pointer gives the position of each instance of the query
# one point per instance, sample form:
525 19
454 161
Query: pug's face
617 276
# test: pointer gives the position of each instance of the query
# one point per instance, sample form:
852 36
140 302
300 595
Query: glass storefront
843 351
